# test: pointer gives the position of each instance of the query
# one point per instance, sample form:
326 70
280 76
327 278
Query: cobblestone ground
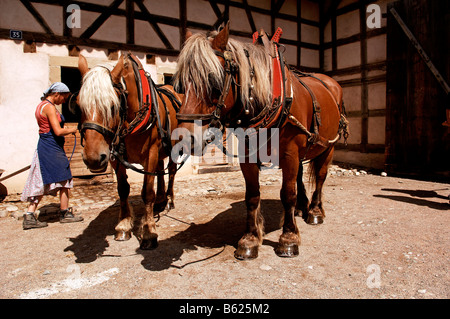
383 237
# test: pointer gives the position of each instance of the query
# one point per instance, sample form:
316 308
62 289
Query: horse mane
199 68
97 94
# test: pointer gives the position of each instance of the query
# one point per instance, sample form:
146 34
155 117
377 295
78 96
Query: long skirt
35 187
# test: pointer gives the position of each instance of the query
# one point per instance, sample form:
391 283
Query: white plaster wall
23 78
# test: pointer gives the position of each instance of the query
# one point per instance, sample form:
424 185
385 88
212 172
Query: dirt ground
383 238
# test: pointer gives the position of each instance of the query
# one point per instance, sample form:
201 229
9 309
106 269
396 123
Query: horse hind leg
319 171
301 208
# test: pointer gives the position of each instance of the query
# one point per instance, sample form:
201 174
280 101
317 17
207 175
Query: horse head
202 73
99 99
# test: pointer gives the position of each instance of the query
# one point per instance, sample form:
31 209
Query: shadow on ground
225 229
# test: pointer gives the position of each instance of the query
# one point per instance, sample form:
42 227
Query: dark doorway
416 141
72 78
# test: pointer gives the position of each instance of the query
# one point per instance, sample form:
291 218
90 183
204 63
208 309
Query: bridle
117 136
103 130
231 70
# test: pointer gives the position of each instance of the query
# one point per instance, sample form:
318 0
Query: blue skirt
54 164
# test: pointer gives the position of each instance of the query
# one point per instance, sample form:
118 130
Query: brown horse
122 124
228 84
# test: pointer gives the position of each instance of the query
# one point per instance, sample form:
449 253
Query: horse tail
343 123
312 177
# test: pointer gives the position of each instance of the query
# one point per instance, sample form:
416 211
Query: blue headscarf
58 87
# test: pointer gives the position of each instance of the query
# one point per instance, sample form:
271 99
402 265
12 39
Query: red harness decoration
277 76
146 101
278 95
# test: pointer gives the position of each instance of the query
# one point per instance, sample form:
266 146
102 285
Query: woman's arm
50 112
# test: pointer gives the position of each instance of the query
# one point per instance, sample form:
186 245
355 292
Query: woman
50 169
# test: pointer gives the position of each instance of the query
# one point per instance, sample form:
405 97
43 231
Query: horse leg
290 237
316 214
126 216
149 237
169 193
161 199
302 200
249 243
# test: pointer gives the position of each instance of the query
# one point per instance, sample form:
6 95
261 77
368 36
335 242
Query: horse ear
221 39
116 73
82 65
188 34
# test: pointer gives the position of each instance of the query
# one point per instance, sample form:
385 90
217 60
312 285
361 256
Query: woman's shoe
67 216
30 221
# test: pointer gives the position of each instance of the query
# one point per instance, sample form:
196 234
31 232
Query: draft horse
127 120
228 83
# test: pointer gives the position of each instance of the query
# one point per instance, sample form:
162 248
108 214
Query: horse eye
215 94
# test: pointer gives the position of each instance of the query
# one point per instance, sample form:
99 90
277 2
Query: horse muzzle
97 163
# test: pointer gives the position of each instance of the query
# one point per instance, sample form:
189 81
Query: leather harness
276 114
144 119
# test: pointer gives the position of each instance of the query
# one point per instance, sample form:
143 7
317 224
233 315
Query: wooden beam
183 21
221 17
359 81
66 30
330 12
100 20
249 16
364 74
57 39
154 25
37 16
299 35
278 6
130 22
358 69
215 8
354 38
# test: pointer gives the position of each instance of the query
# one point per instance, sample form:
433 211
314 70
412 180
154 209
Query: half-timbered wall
153 30
355 55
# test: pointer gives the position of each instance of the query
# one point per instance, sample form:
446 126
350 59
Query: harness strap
88 125
192 117
275 114
145 89
316 106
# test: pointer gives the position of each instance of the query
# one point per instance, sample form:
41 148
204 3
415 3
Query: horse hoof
246 253
314 219
287 250
122 235
159 207
170 206
149 244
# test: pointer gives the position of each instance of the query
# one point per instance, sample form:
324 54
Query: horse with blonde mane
122 123
230 84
